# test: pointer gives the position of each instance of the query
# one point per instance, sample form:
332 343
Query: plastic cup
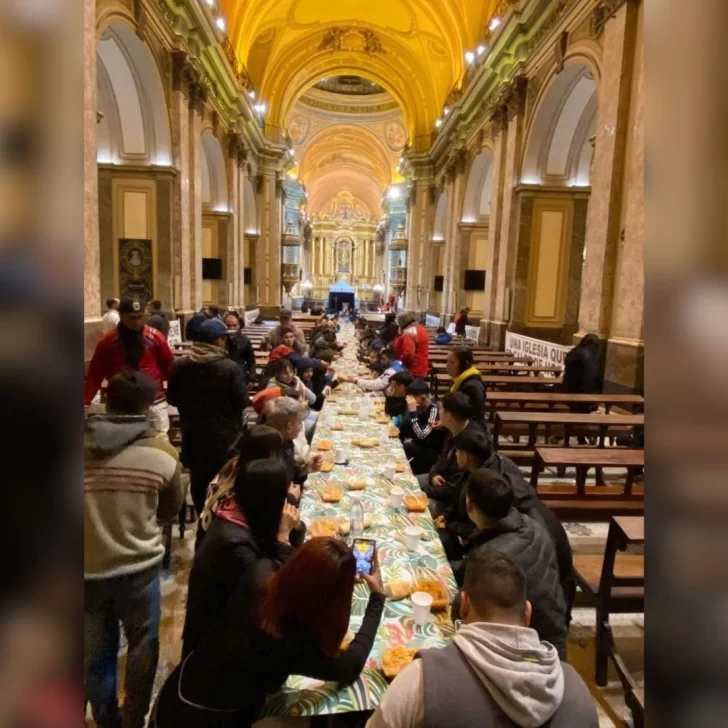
421 604
412 537
390 470
341 453
384 434
397 496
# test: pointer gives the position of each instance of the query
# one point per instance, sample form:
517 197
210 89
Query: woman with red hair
296 628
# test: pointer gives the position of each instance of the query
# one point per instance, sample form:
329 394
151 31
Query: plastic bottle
356 519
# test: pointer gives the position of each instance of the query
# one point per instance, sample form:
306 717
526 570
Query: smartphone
363 549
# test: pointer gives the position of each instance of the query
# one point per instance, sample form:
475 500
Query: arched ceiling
413 48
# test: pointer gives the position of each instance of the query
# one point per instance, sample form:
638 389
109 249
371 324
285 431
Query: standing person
445 480
246 541
413 345
461 321
158 318
501 527
275 336
422 438
209 391
466 378
582 371
388 332
294 626
192 329
497 671
110 319
132 346
131 479
240 347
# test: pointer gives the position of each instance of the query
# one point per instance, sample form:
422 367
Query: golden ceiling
413 48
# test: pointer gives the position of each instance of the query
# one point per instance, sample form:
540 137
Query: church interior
419 156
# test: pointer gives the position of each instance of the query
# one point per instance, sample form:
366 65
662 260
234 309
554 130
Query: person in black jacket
395 396
418 430
194 325
246 541
389 331
582 371
210 393
158 318
466 378
445 480
502 527
295 626
239 347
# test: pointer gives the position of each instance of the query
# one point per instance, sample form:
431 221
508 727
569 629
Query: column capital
237 149
184 74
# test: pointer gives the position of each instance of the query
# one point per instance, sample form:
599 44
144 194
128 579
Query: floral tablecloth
304 696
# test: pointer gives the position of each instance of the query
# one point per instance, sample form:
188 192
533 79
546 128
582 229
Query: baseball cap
213 329
130 305
285 313
474 443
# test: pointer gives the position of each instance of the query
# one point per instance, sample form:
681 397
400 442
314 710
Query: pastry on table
397 590
332 398
436 590
331 495
337 426
415 503
345 526
399 467
323 527
393 432
324 445
369 442
347 411
395 659
327 466
382 420
357 484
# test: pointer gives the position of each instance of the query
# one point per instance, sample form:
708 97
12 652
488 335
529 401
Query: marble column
607 174
453 266
625 348
197 106
91 263
510 117
268 251
419 263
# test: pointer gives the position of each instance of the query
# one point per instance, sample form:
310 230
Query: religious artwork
298 129
344 248
351 39
396 136
136 275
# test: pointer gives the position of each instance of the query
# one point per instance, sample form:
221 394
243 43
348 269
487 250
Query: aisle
386 525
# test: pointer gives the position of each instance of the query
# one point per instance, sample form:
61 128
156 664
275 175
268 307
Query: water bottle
356 519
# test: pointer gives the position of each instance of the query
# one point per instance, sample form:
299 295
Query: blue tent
339 293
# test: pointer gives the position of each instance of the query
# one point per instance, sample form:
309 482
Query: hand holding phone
374 576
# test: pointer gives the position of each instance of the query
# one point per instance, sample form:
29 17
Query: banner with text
175 333
250 316
472 332
544 353
432 320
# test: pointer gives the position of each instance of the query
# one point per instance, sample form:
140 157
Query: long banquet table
307 697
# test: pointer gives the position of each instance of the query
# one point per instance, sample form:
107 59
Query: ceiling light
220 22
293 175
210 2
251 93
494 23
438 123
481 50
394 193
260 107
446 110
469 57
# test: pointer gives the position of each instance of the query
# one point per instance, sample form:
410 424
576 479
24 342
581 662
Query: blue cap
212 330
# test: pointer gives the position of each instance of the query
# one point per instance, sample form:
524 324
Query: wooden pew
533 382
615 583
549 400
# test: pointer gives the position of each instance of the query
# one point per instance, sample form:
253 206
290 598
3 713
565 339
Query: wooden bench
533 382
615 583
582 458
545 401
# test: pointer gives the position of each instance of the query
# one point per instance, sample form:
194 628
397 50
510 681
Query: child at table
419 430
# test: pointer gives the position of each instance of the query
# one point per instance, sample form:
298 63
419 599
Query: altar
340 293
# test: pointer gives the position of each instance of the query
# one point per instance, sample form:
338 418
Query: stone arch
439 230
476 203
214 175
250 213
134 127
558 151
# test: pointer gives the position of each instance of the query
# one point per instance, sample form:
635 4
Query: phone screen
363 549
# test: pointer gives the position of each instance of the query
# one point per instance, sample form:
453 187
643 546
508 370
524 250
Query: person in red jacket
132 345
412 345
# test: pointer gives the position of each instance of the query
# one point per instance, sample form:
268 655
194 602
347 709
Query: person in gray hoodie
132 478
496 673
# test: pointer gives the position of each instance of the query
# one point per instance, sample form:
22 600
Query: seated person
443 337
391 365
472 682
395 396
306 376
419 429
294 623
325 342
501 527
442 484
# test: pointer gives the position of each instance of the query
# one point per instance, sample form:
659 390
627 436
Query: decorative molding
140 18
351 39
560 46
237 149
259 182
184 75
549 24
604 10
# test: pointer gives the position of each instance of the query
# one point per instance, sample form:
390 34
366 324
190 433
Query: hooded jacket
491 676
472 386
131 479
413 347
210 393
527 541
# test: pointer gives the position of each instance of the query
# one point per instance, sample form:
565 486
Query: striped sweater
132 478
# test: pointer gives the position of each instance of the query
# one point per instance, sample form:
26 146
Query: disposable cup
341 453
390 470
384 434
421 604
412 537
397 496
